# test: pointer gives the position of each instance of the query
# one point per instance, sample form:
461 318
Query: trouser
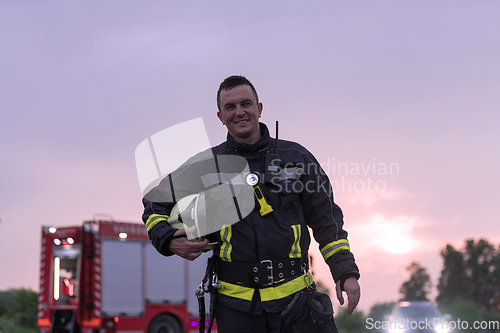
230 321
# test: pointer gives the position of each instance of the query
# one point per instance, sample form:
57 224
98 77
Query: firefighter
262 261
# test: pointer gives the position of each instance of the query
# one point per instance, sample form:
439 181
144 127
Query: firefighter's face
240 112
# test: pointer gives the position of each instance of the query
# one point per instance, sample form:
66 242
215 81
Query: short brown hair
234 81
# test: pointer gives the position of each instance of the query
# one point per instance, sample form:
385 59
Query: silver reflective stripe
285 174
291 173
334 247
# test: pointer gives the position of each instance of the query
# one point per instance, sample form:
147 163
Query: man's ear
261 107
219 114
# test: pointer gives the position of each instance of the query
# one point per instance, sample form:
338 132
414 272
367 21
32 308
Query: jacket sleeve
160 200
157 207
326 220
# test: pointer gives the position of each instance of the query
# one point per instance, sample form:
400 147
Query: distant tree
469 311
320 287
21 306
472 273
379 311
418 286
3 309
26 307
453 281
354 323
7 299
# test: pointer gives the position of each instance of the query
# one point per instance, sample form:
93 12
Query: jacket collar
261 144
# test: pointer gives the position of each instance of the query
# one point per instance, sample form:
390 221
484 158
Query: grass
9 326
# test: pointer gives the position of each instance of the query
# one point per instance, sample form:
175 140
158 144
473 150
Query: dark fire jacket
297 203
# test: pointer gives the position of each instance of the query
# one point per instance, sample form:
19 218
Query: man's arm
155 218
326 220
160 200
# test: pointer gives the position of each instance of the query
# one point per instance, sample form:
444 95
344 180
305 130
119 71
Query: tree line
18 311
468 288
469 285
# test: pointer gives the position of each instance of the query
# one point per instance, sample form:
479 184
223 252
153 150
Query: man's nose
239 111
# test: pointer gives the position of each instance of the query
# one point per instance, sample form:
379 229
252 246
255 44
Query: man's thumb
340 297
184 232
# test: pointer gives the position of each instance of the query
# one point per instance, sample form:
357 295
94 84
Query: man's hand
351 287
185 248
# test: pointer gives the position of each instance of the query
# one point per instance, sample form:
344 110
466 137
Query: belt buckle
271 272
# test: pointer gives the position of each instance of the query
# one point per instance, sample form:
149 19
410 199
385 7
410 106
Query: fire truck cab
106 277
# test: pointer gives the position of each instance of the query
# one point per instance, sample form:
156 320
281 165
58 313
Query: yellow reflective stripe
153 220
334 247
226 248
295 251
266 294
234 290
284 290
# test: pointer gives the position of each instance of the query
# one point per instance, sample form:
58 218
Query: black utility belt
263 273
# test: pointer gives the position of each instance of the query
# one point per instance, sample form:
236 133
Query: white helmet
188 212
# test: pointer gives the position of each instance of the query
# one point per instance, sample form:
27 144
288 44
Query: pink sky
413 84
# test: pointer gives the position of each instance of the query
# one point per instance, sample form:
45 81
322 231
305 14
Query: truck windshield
418 312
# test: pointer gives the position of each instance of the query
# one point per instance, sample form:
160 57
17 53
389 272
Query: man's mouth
242 121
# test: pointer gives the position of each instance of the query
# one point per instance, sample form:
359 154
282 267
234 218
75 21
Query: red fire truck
106 277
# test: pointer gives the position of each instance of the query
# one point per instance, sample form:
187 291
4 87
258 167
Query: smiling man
261 262
240 110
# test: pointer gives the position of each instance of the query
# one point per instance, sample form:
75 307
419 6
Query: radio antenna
276 142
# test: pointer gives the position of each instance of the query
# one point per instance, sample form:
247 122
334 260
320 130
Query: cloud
368 198
392 235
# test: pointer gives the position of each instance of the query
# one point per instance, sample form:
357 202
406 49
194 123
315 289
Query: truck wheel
165 323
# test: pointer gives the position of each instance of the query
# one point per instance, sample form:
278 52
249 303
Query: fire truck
106 277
